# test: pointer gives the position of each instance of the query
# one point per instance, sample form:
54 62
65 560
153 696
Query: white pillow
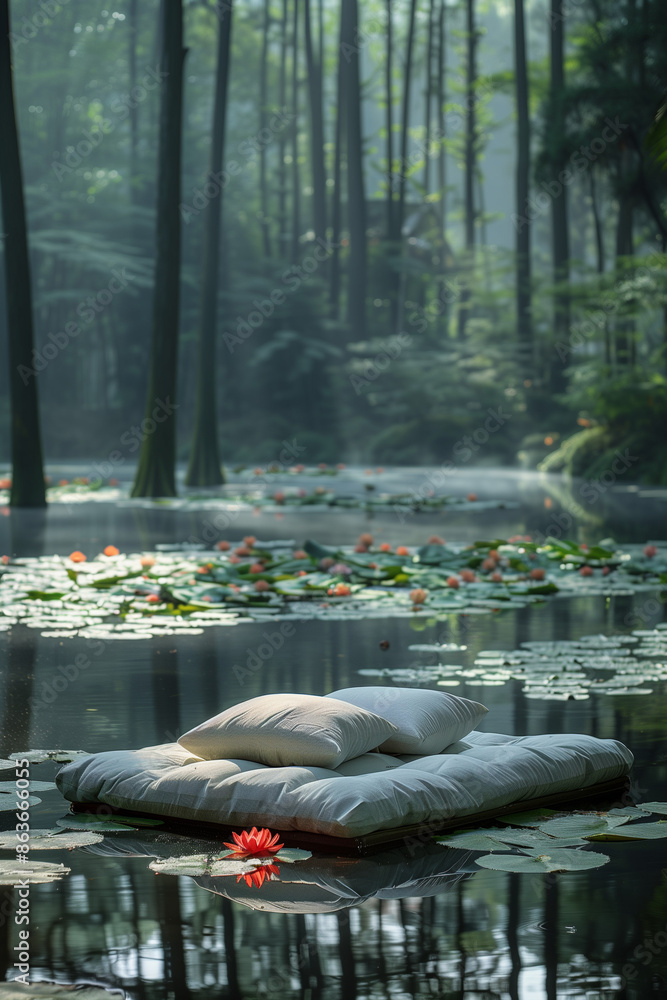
427 721
289 729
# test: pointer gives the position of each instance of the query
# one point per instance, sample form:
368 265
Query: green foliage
631 415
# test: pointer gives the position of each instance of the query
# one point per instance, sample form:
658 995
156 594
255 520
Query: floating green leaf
636 831
11 803
49 840
655 807
525 837
39 756
582 825
101 824
633 812
52 991
31 871
472 840
225 864
553 860
35 786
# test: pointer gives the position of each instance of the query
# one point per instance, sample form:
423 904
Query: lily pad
35 786
227 864
655 807
633 812
582 825
39 756
50 840
472 840
524 837
52 991
92 823
10 803
554 860
14 871
636 831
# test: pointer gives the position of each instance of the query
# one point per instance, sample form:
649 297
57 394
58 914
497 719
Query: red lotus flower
256 844
259 875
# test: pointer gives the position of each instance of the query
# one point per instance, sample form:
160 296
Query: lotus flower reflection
254 844
259 875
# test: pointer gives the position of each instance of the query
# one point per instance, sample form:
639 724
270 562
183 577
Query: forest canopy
371 226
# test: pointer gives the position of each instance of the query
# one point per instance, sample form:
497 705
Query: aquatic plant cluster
562 670
117 595
258 493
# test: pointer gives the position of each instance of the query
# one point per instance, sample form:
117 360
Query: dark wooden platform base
614 793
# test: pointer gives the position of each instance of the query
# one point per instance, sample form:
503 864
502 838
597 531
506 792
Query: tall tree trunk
316 129
296 185
428 100
282 143
134 108
624 248
559 214
263 99
442 166
204 468
470 164
389 121
356 200
320 37
405 121
399 215
156 472
599 253
26 443
523 297
336 208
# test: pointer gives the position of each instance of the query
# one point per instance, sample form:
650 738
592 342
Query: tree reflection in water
491 935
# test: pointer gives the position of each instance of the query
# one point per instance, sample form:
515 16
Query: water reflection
388 926
625 512
465 935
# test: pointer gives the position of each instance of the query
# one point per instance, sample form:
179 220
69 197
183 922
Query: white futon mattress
366 794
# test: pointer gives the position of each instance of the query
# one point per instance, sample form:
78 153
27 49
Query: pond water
413 923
